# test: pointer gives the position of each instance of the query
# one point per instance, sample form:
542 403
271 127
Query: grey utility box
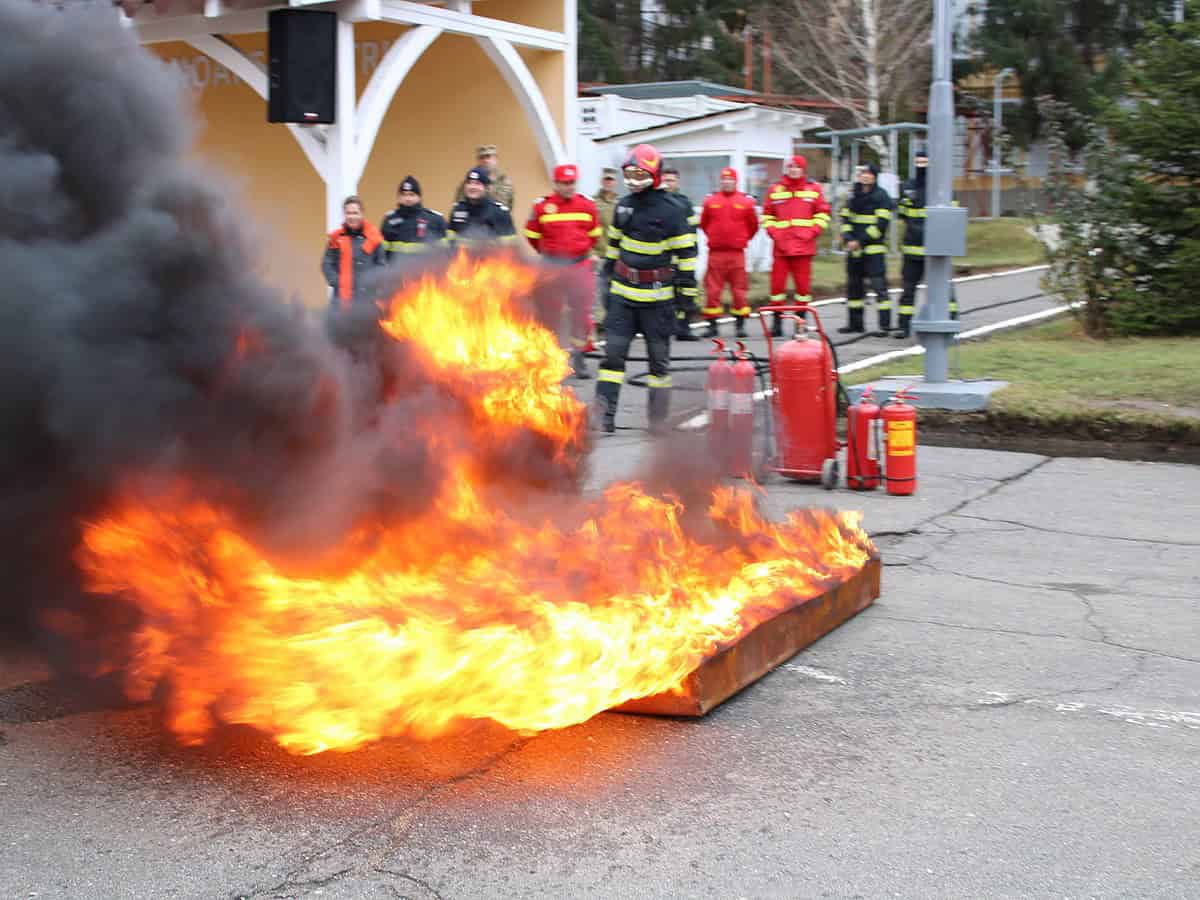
945 231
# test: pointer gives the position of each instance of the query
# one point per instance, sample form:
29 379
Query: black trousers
861 271
911 274
626 319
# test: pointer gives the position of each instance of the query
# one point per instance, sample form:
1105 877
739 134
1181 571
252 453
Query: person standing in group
353 249
728 221
795 214
410 227
500 187
564 228
865 219
477 220
606 204
685 302
651 251
911 208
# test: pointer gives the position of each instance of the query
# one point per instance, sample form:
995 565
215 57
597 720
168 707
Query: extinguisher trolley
804 399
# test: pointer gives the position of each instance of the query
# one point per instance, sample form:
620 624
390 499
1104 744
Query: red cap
567 173
729 172
800 161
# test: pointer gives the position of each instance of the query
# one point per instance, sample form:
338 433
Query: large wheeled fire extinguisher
741 415
900 441
862 444
720 381
805 399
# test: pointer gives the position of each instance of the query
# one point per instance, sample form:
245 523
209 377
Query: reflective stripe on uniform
565 217
780 195
658 381
874 232
883 305
864 218
680 241
913 213
875 248
883 213
711 311
643 247
906 309
508 238
642 295
854 304
693 220
775 298
912 250
613 376
596 232
738 311
407 246
686 265
690 291
533 235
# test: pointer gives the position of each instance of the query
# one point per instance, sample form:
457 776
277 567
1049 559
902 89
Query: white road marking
816 674
1153 718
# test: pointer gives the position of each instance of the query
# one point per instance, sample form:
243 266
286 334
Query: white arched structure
339 153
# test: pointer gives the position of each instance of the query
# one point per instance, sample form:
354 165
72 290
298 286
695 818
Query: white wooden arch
504 56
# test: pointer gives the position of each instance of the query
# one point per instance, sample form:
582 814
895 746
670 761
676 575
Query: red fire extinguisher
720 380
741 415
862 444
900 440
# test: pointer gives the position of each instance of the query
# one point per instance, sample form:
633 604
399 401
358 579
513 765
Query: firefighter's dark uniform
651 254
865 218
911 209
476 223
412 229
685 298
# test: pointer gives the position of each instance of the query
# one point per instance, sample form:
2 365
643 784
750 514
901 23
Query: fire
471 610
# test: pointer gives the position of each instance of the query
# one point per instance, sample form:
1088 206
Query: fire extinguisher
741 415
862 444
720 380
900 440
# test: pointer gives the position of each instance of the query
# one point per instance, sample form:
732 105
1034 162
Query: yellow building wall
452 100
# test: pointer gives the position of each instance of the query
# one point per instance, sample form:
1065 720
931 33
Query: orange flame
471 610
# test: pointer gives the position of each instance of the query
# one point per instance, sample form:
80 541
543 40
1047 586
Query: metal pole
997 128
893 231
935 329
835 180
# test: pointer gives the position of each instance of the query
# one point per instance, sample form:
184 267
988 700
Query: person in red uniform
564 228
794 214
728 221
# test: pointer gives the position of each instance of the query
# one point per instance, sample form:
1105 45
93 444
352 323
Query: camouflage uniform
501 187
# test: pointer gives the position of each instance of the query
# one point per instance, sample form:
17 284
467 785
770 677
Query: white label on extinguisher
741 404
718 400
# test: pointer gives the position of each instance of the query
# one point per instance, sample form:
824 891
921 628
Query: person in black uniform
865 219
651 254
477 220
911 209
410 227
685 302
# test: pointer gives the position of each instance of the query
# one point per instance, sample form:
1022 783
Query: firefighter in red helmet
729 221
651 253
563 228
795 214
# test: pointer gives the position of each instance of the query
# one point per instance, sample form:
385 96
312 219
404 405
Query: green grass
1061 380
991 244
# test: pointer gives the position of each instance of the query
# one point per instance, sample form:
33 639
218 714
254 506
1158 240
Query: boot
657 408
579 365
885 322
739 326
901 333
854 325
776 325
712 331
604 409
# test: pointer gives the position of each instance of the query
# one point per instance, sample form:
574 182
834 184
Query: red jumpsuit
564 232
728 221
794 214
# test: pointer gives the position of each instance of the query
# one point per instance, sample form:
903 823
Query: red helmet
646 158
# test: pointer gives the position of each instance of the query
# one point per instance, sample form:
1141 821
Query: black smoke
127 292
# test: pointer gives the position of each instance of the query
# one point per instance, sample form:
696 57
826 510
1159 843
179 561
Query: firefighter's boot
604 409
682 331
776 325
712 329
579 365
855 323
901 333
739 326
658 408
885 320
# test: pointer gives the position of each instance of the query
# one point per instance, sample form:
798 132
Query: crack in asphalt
1082 534
417 881
289 885
376 825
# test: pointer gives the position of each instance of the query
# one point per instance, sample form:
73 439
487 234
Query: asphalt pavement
1018 715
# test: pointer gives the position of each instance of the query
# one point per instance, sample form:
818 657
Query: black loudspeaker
302 68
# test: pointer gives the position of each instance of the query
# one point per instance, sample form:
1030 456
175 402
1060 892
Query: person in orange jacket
728 221
354 248
795 214
564 228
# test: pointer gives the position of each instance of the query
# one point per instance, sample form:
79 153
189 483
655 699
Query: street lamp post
997 123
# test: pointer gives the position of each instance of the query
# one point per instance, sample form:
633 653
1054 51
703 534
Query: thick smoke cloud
128 293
